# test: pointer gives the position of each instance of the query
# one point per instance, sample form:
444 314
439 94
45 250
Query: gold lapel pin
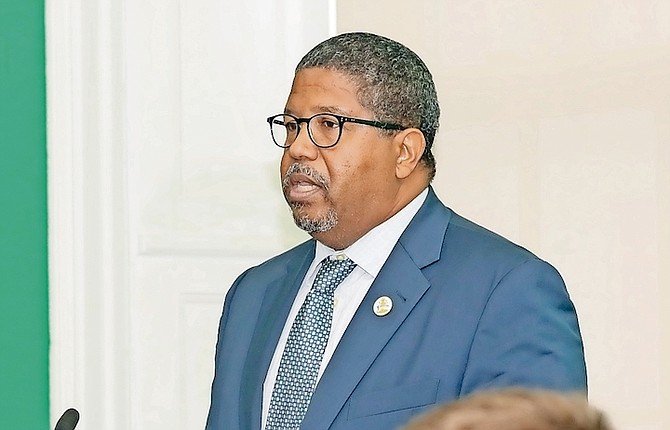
382 306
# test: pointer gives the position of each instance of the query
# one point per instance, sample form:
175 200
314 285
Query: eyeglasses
324 129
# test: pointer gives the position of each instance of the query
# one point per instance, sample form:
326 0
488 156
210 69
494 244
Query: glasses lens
284 129
325 130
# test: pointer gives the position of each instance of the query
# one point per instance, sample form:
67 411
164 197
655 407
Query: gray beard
314 225
303 221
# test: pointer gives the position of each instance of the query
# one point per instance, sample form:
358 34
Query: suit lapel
364 339
402 280
279 297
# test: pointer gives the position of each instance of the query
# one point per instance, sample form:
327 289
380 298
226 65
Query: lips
302 183
301 187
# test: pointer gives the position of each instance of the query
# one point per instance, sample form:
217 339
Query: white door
164 186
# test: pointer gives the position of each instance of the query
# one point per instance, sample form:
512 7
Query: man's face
337 194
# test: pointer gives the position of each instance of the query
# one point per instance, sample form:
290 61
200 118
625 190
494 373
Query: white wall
556 133
163 187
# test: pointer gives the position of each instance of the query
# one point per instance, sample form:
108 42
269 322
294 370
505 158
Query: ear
411 145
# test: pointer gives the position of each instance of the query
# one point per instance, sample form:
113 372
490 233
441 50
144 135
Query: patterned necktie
301 360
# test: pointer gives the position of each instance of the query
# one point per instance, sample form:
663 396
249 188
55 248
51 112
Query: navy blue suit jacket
471 311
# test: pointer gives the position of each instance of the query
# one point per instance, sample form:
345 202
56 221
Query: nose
303 147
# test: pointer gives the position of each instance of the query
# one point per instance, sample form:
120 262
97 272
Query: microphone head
68 420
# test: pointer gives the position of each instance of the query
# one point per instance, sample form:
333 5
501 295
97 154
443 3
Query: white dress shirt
370 252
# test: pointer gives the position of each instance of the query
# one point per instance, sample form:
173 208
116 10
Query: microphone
68 421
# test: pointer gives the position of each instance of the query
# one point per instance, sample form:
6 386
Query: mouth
302 183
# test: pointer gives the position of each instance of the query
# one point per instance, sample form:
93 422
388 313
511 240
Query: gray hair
393 82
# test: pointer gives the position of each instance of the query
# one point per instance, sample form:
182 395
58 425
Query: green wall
24 330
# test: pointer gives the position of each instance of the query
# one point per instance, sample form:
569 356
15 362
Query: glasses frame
341 120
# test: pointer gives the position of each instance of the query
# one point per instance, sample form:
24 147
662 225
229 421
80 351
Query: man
514 409
427 306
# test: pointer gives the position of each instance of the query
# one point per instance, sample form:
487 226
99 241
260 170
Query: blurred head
514 409
382 112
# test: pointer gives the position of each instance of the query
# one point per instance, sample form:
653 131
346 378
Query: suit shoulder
280 261
255 278
475 241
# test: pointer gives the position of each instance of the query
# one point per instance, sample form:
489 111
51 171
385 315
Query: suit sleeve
219 395
527 335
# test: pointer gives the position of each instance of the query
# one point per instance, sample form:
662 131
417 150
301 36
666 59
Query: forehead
323 90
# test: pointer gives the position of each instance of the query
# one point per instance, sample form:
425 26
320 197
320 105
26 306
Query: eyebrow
325 109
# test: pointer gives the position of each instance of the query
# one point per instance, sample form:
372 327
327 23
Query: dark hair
393 82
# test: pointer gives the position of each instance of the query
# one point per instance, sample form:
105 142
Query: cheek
354 183
363 173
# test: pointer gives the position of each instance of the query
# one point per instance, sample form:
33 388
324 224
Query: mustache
303 169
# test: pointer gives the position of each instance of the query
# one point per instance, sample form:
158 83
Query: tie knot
331 273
